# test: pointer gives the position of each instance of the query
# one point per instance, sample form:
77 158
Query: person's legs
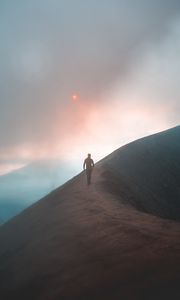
88 173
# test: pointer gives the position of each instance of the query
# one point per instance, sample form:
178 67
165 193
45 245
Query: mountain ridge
148 167
90 242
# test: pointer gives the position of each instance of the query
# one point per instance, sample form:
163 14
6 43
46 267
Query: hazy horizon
120 59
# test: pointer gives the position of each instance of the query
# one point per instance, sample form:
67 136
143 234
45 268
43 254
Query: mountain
118 238
147 173
20 188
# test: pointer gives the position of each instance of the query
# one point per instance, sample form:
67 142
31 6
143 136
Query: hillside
21 188
116 239
146 174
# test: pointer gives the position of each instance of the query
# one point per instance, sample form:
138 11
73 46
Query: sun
74 98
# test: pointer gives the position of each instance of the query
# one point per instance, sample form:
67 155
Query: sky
80 77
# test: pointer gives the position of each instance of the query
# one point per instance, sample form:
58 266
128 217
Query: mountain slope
83 242
20 188
147 173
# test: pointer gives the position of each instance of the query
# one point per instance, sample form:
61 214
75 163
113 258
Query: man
88 165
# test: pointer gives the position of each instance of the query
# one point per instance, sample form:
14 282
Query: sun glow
74 98
97 127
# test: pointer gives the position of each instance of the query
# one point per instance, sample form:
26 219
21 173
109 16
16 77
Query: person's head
89 155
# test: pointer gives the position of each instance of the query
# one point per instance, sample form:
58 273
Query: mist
121 59
53 49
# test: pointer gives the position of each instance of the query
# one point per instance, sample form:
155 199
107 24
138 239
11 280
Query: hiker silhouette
88 165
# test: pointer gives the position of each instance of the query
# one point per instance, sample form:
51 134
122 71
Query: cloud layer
121 58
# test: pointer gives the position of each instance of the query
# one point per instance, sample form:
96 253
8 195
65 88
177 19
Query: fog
121 59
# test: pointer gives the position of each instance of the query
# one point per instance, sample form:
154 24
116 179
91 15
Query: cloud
120 57
153 79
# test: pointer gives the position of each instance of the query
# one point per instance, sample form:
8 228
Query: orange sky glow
94 127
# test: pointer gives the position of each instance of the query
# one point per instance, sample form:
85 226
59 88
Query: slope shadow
145 174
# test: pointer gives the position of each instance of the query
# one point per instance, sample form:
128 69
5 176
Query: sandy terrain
95 242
